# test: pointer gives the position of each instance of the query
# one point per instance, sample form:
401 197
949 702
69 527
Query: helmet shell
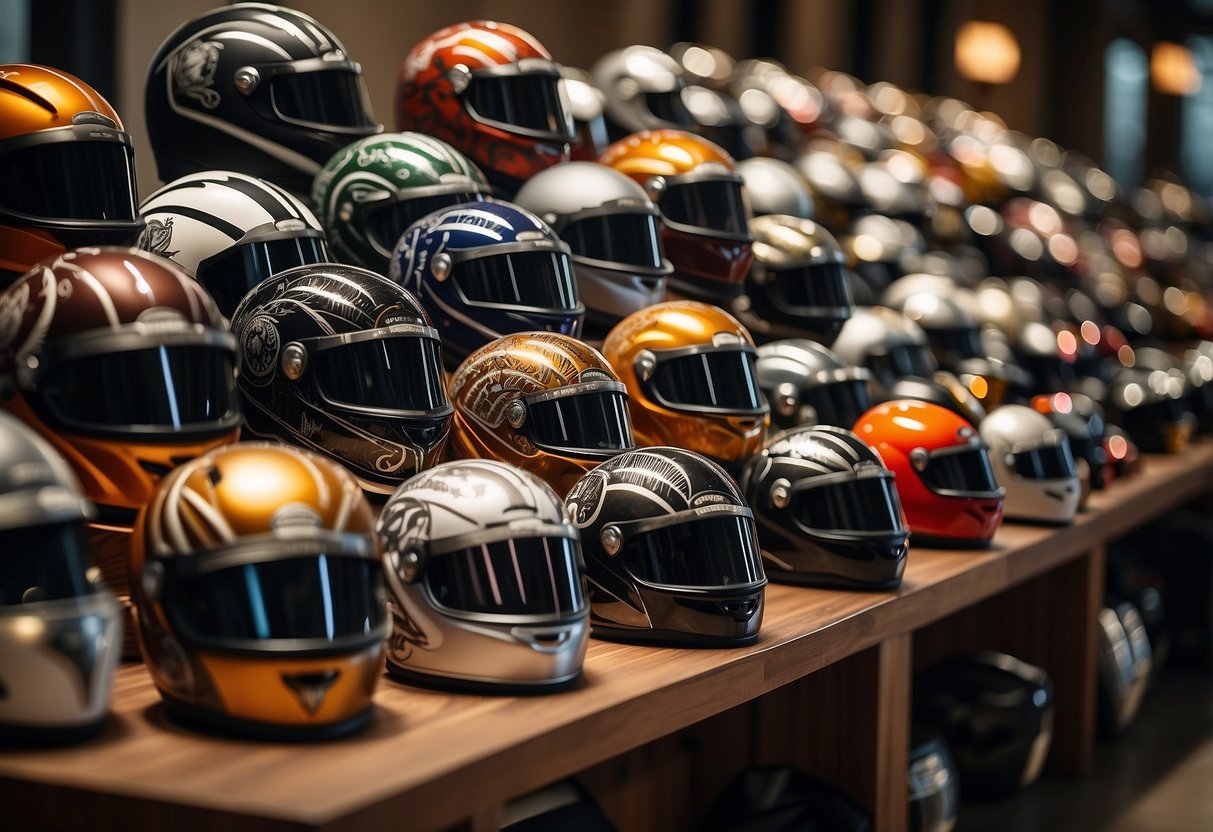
807 384
775 187
643 90
1032 462
888 343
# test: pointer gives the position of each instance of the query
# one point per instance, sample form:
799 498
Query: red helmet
943 471
493 92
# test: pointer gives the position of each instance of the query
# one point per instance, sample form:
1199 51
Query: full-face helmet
613 231
369 192
888 343
486 580
690 373
60 628
67 173
344 362
260 89
543 401
259 592
807 384
1032 462
586 105
643 90
827 510
775 187
1149 405
702 200
670 548
944 478
230 231
1082 419
493 92
487 270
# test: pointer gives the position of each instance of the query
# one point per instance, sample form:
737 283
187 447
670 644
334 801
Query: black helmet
1149 405
807 384
670 549
259 89
782 798
342 361
827 510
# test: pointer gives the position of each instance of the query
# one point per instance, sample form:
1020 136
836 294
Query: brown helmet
67 176
542 401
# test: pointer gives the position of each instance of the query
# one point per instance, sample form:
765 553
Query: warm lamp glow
1173 69
986 52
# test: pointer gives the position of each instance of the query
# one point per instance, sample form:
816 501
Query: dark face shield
708 206
1046 462
525 102
706 552
70 182
593 422
232 273
42 563
960 471
529 577
538 280
838 403
385 225
867 505
618 240
323 98
811 290
723 381
399 373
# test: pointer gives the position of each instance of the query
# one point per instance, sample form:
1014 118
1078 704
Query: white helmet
1032 461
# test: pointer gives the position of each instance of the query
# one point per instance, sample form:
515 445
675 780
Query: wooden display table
653 732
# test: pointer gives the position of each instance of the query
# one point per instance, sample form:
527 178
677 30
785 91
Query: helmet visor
861 504
540 280
1047 462
324 98
707 205
42 563
721 380
401 373
627 239
668 106
903 360
385 225
708 552
811 287
521 102
963 470
839 403
77 180
229 275
592 422
520 577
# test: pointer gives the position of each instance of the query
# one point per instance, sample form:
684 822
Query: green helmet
369 192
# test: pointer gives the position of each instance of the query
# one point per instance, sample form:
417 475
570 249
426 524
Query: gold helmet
259 593
689 369
543 401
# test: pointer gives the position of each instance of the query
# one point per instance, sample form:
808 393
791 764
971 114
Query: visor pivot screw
294 360
646 362
409 565
786 399
918 459
781 493
655 187
515 413
152 580
440 266
459 76
247 79
611 540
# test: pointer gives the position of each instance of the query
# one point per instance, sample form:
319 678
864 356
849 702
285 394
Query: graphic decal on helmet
260 345
193 71
157 236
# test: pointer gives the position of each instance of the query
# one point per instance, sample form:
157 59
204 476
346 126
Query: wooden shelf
433 760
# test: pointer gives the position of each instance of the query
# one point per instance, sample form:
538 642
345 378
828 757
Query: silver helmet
775 187
1032 461
643 87
888 343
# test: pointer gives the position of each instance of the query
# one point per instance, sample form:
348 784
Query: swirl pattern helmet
671 553
486 581
1033 463
807 384
344 362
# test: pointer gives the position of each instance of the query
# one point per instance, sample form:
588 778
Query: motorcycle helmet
1083 425
996 715
643 90
67 173
933 782
691 380
613 231
493 92
369 192
345 363
670 549
837 198
827 510
951 331
1149 405
1125 664
783 798
702 200
487 270
259 593
886 342
255 88
943 472
485 577
586 105
807 384
60 628
798 286
230 231
775 187
1033 464
944 389
545 402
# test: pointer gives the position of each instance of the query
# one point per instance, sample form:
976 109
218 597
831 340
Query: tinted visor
627 239
1048 462
669 106
42 563
903 360
327 98
79 180
390 373
966 470
959 343
156 390
714 379
317 598
838 403
712 204
528 279
709 552
527 576
594 422
385 225
864 504
808 287
230 275
528 101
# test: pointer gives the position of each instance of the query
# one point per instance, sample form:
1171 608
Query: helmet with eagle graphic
543 401
344 362
485 578
259 593
670 548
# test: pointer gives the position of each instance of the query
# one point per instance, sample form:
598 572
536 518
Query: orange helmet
67 177
702 200
543 401
689 369
260 596
943 471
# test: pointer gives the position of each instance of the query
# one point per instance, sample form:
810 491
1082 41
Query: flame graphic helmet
702 200
670 548
689 370
493 91
344 362
486 580
67 174
256 88
60 628
944 478
259 593
545 402
1033 463
230 231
